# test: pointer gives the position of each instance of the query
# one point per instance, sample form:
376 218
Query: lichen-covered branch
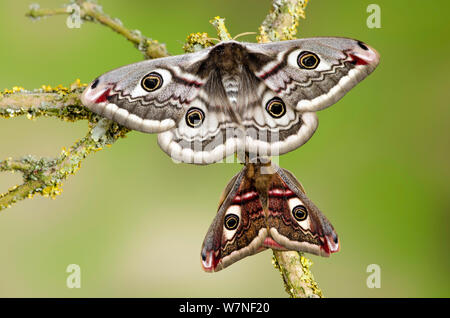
282 21
90 11
61 102
45 175
197 41
222 31
295 270
281 24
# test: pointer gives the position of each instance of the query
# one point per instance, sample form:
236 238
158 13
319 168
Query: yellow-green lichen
59 101
282 21
287 285
196 42
222 32
308 277
296 274
45 176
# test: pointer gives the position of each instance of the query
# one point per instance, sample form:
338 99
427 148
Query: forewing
341 64
238 230
279 75
294 222
149 96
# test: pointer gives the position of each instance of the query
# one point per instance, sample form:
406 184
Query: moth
233 97
264 206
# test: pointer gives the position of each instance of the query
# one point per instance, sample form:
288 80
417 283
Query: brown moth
264 206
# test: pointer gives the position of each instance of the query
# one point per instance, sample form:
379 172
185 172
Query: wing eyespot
276 107
300 213
363 46
231 222
195 117
152 81
308 60
95 83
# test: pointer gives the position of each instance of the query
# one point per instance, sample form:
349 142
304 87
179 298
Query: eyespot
335 238
231 222
275 107
363 46
308 60
195 117
94 84
151 82
300 213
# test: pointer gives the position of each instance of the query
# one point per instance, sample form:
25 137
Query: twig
282 21
222 32
59 101
197 41
45 175
90 11
296 273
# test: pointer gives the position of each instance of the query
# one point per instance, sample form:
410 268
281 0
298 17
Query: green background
135 221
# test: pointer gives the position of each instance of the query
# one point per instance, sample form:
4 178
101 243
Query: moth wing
217 135
314 73
238 230
279 74
207 143
125 95
294 221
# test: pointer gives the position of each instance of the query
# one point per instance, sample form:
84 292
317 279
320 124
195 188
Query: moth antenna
243 34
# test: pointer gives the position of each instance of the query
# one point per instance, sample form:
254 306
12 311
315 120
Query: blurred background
135 221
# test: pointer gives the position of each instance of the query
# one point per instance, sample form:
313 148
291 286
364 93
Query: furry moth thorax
264 206
232 97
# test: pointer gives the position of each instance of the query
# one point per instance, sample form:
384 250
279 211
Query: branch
295 270
196 42
282 21
45 175
89 11
281 24
59 101
222 31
